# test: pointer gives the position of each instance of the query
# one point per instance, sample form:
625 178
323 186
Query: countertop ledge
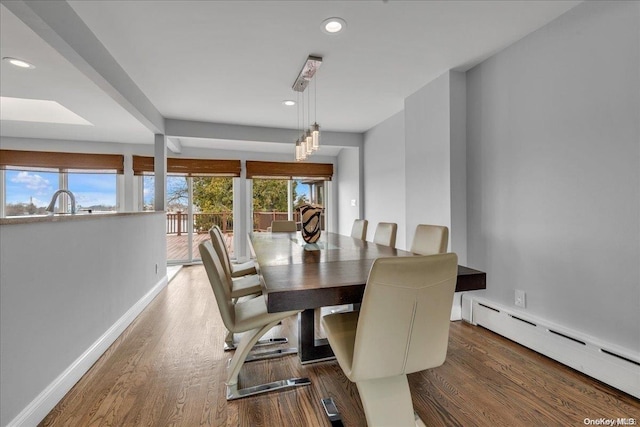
30 219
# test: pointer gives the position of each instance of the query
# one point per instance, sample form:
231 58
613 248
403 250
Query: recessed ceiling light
18 62
289 103
333 25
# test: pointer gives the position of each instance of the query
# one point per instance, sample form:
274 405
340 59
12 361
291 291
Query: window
311 190
30 178
148 192
270 202
279 188
279 199
28 192
194 205
199 195
94 191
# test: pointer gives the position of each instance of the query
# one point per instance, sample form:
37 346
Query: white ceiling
235 61
55 79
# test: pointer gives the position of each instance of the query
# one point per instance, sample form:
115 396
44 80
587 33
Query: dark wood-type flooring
168 369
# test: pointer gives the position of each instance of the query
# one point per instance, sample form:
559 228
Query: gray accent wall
348 189
553 171
551 156
435 163
384 160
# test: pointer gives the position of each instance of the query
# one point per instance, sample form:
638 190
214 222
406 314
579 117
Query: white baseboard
40 407
611 364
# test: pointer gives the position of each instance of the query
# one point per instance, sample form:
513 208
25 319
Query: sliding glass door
194 205
212 204
279 199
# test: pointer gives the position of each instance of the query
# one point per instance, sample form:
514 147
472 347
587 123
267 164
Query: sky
38 187
89 189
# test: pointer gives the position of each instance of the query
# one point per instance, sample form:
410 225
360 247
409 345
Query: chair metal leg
332 412
230 344
387 401
271 354
233 392
249 338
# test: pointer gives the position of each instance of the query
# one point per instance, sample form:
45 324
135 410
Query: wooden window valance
70 162
273 170
189 167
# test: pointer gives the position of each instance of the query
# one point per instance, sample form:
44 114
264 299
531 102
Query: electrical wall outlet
521 299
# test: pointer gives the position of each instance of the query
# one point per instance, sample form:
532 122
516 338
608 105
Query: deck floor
178 246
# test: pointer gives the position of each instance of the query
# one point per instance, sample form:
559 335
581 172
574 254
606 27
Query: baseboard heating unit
608 363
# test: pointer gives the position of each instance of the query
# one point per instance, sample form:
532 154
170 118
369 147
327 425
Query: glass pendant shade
298 157
309 141
315 134
303 149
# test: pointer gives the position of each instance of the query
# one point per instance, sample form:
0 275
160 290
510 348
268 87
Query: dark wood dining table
333 271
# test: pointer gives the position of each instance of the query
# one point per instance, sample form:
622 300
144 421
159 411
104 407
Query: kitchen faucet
52 205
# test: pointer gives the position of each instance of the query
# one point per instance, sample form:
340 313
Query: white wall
428 159
458 170
384 177
64 286
435 166
553 171
348 189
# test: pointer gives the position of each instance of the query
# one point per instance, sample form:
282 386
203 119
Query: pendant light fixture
309 140
315 128
301 149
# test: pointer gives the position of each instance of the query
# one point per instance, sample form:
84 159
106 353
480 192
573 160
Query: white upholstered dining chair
251 317
359 229
245 286
430 239
386 234
406 305
235 270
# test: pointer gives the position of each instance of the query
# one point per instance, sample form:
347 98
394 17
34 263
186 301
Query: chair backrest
407 306
219 283
386 234
430 239
359 229
217 242
283 226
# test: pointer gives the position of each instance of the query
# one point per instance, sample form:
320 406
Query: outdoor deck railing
178 222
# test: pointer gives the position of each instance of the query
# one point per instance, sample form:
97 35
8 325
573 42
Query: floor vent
567 337
619 357
522 320
609 363
489 307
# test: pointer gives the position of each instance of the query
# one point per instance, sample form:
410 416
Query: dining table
333 271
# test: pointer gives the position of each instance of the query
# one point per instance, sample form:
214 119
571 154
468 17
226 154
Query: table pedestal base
309 348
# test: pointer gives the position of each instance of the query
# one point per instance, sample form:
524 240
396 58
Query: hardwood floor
168 368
